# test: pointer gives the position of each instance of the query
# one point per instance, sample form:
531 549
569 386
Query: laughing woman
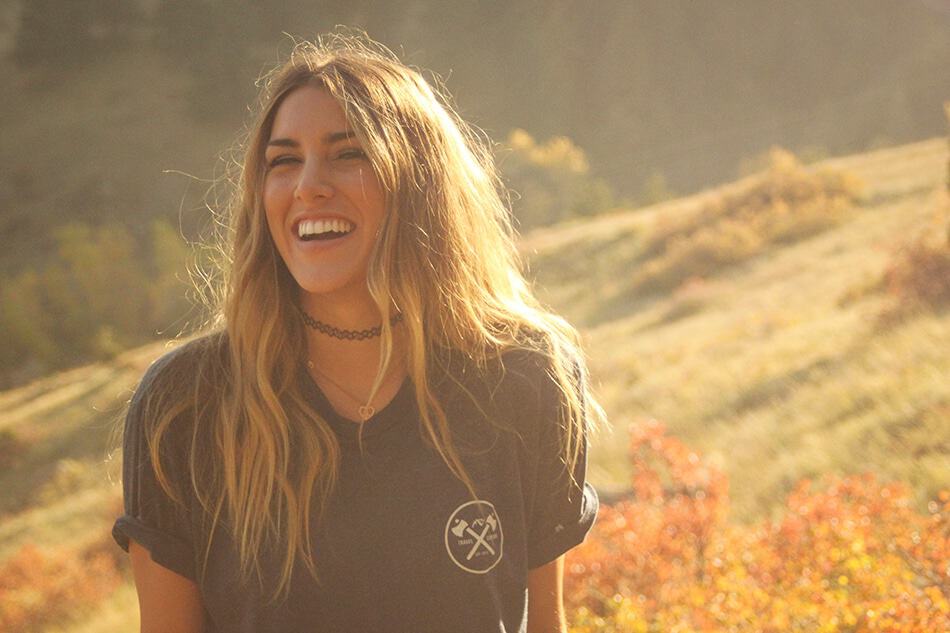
385 430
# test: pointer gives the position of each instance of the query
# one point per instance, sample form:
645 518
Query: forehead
308 113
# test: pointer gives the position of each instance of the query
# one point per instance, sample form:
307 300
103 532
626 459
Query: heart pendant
366 412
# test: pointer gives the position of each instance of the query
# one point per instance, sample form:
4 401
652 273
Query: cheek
274 227
276 201
273 193
371 192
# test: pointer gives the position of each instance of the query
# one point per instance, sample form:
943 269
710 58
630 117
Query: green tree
24 326
551 181
100 292
97 289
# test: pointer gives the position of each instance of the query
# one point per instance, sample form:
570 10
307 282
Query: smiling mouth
324 230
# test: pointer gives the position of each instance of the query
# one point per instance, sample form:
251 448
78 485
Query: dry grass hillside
778 362
754 319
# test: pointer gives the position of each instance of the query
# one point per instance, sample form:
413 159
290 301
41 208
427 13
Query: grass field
773 367
767 367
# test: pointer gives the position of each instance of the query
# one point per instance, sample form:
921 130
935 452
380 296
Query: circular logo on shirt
473 537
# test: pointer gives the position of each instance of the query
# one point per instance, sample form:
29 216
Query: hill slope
766 365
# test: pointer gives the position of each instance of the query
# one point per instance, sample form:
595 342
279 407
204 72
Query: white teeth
315 227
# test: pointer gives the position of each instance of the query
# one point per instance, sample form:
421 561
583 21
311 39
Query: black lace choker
353 335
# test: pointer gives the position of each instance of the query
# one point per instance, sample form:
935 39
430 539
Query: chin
317 287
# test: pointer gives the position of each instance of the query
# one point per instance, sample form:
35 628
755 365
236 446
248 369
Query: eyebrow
329 139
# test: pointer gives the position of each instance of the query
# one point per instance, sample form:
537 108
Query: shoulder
165 403
521 379
538 361
185 364
531 376
525 368
191 372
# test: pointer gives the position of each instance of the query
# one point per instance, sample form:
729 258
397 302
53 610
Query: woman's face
318 179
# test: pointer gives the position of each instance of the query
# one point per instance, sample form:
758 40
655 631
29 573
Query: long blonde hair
445 258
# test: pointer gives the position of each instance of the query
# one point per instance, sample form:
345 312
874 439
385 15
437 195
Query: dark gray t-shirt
403 547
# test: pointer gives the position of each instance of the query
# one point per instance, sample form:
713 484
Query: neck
355 313
354 361
353 365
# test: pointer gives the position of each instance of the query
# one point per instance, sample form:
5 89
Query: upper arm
168 602
546 598
562 503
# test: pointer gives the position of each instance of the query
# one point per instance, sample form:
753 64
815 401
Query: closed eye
280 160
354 153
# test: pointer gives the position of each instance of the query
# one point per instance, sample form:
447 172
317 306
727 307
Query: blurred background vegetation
118 115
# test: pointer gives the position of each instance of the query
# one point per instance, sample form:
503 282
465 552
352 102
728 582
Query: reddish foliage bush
919 275
39 587
849 555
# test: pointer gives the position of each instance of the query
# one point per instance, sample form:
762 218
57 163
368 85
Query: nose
313 182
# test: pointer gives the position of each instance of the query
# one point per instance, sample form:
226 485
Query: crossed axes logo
473 537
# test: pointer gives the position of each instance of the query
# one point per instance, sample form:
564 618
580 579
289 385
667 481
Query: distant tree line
685 88
99 293
659 95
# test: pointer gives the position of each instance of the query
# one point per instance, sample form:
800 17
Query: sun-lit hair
445 258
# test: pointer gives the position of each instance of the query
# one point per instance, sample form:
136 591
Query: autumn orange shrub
848 555
39 587
918 275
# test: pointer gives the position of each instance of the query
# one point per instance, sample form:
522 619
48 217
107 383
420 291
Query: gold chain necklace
366 411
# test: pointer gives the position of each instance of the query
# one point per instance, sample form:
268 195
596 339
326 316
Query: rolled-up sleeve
151 517
564 509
